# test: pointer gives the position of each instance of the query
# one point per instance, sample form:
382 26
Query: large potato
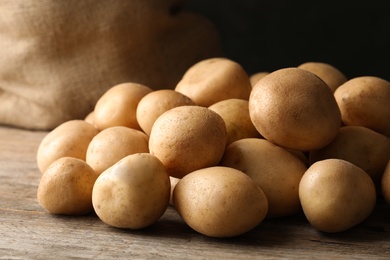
295 109
365 101
188 138
70 139
276 171
220 201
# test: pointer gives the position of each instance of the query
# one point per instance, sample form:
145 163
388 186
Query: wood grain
28 232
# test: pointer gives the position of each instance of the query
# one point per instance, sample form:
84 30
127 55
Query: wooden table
28 232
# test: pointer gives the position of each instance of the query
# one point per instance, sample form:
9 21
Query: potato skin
220 201
385 183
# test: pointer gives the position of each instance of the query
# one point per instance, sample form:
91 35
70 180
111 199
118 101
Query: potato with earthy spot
235 113
154 104
212 80
361 146
188 138
220 201
70 139
276 171
331 75
336 195
295 109
113 144
365 101
118 106
66 187
133 193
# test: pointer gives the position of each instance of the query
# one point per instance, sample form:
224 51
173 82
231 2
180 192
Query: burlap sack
58 57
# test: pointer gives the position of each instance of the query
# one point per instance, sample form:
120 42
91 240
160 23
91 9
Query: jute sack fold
58 57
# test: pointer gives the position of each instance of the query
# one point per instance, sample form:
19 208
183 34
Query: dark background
269 35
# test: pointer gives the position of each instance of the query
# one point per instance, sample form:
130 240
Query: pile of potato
226 150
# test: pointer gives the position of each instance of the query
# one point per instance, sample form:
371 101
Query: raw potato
66 187
336 195
361 146
220 201
235 113
188 138
70 139
385 187
276 171
173 181
332 76
365 101
113 144
295 109
156 103
212 80
118 105
134 193
254 78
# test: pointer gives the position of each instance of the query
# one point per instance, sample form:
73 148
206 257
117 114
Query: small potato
220 201
235 113
332 76
188 138
254 78
70 139
113 144
173 181
361 146
276 171
336 195
156 103
133 193
365 101
212 80
385 184
118 106
66 187
295 109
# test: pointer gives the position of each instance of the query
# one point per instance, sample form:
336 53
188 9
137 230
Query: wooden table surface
28 232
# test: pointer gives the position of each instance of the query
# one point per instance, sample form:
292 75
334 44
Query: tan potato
336 195
295 109
154 104
220 201
174 182
332 76
365 101
254 78
113 144
118 106
212 80
133 193
188 138
90 118
66 187
276 171
385 183
235 113
361 146
70 139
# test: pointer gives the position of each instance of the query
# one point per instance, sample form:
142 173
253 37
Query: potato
220 201
235 113
385 183
118 106
188 138
276 171
174 182
114 143
365 101
154 104
134 193
212 80
295 109
70 139
254 78
361 146
332 76
66 187
336 195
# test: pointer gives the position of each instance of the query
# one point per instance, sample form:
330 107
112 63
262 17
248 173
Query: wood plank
28 232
